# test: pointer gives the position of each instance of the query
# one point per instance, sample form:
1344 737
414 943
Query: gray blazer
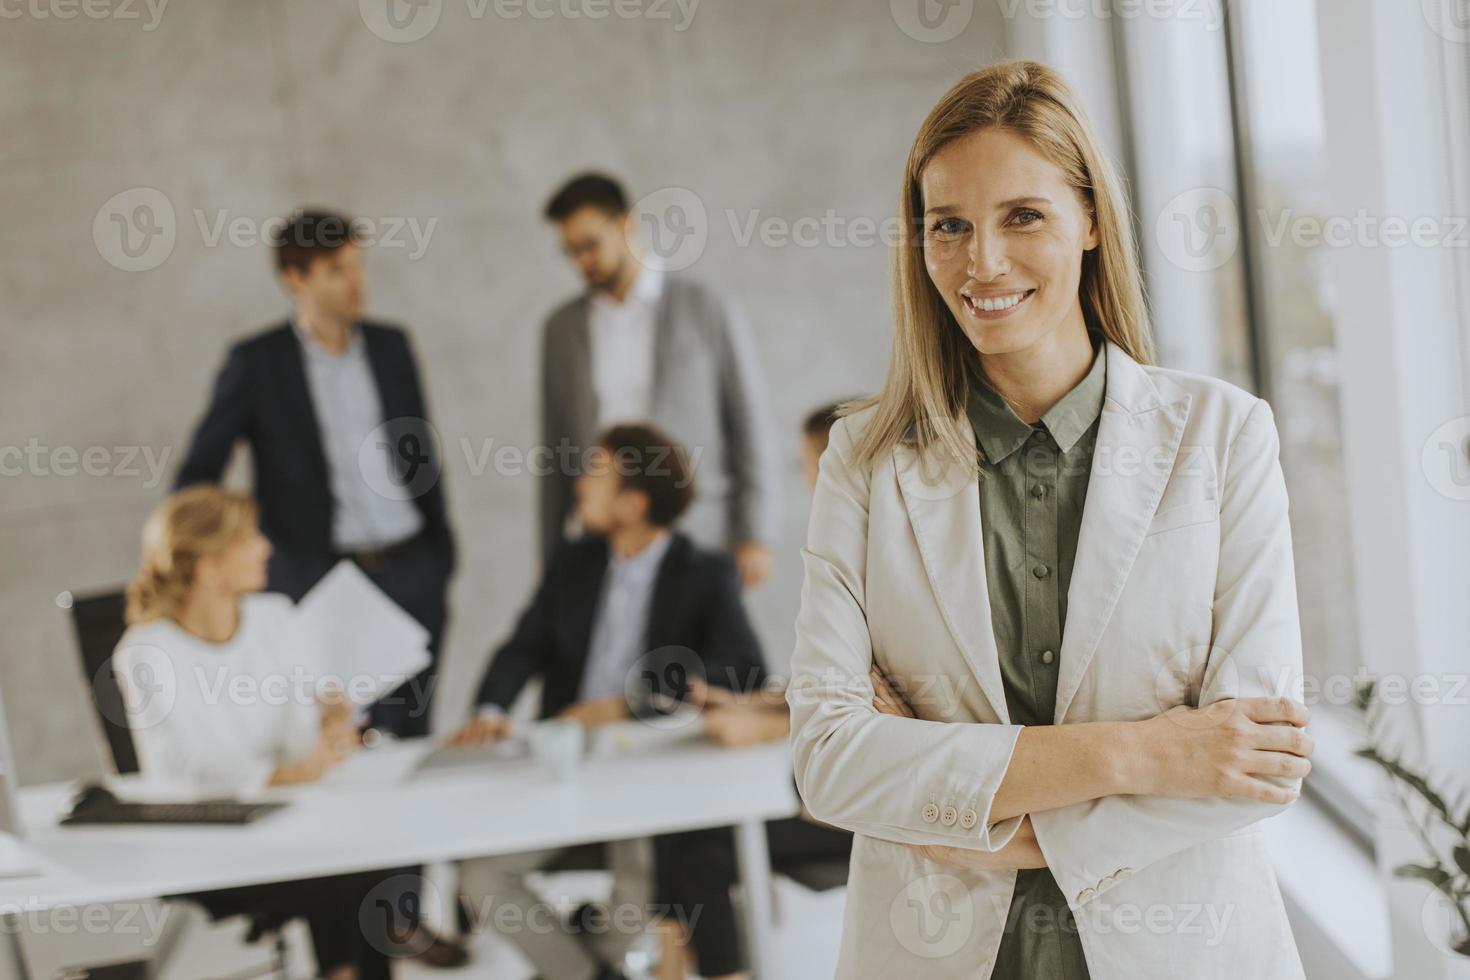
707 393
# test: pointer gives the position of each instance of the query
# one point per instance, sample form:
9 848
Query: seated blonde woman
216 702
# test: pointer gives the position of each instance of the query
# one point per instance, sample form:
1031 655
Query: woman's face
1003 240
241 567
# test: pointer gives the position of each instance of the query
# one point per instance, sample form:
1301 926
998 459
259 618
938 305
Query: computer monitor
10 821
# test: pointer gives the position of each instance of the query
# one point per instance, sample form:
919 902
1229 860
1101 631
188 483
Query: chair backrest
99 623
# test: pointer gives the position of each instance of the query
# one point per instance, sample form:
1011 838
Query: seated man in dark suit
611 605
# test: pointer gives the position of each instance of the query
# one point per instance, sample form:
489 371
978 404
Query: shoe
418 943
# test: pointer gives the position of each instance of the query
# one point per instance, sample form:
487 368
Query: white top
621 336
218 718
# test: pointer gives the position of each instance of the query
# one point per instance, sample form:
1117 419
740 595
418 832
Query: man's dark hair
308 234
587 191
818 424
646 458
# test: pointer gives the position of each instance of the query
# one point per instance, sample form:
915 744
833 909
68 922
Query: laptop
450 758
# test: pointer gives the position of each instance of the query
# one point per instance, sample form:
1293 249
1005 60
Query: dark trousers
416 577
695 870
338 911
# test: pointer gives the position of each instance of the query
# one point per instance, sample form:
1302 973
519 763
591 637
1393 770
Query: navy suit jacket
697 624
261 396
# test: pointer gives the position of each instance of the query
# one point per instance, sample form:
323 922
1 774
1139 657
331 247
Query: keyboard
96 806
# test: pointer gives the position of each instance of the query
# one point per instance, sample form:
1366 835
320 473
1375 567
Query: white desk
368 816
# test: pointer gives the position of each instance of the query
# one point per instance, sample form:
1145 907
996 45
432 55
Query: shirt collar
646 289
1000 431
643 566
303 334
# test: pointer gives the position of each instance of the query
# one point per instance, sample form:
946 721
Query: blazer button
930 813
969 818
1040 571
949 816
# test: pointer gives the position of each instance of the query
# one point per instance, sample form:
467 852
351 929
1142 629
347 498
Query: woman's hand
1224 750
886 698
1021 852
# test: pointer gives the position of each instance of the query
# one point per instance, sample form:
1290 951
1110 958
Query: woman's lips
1001 306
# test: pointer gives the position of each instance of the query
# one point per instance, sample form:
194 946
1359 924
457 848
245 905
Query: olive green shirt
1033 483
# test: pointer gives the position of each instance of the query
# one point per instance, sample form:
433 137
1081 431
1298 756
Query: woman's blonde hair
923 397
194 523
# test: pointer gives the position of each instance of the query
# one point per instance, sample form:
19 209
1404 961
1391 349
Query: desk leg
755 881
13 949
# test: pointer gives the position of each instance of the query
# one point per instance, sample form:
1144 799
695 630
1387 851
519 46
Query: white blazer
1183 592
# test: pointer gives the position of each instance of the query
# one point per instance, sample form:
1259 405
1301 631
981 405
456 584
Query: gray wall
762 108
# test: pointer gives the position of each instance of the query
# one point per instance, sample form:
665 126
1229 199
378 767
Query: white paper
363 643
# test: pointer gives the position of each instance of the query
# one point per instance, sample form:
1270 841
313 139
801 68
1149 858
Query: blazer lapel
943 503
1137 441
296 400
663 350
576 361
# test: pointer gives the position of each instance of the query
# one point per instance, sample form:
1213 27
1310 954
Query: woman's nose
987 257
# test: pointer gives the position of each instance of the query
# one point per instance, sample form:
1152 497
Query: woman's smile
994 306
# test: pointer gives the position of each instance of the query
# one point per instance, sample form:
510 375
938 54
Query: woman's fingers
1278 764
1283 738
886 700
1260 791
1275 709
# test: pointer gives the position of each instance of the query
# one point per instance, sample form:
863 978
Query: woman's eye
1026 216
946 227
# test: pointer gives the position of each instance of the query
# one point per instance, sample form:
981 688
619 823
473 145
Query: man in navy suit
624 618
345 461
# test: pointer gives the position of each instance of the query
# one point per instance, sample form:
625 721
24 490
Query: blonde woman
1075 567
218 703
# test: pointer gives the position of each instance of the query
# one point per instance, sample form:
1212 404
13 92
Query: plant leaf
1462 857
1436 875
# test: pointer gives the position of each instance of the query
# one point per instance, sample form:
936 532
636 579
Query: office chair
99 622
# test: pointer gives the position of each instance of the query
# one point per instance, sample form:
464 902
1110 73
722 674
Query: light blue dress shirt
620 625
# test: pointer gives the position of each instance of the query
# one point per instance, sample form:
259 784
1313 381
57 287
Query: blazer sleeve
524 654
1255 651
749 453
555 498
879 775
225 420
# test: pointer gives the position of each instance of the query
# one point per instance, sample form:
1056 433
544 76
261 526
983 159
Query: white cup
557 745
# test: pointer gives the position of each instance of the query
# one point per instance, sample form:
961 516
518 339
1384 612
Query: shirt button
1038 491
1040 571
1047 656
930 813
969 818
949 816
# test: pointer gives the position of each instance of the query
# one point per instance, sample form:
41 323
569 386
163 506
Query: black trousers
346 929
694 872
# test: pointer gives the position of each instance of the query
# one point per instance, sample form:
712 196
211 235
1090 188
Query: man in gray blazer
641 344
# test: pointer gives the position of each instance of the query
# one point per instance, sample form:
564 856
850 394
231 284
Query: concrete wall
240 109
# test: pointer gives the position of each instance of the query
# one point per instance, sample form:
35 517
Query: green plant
1449 875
